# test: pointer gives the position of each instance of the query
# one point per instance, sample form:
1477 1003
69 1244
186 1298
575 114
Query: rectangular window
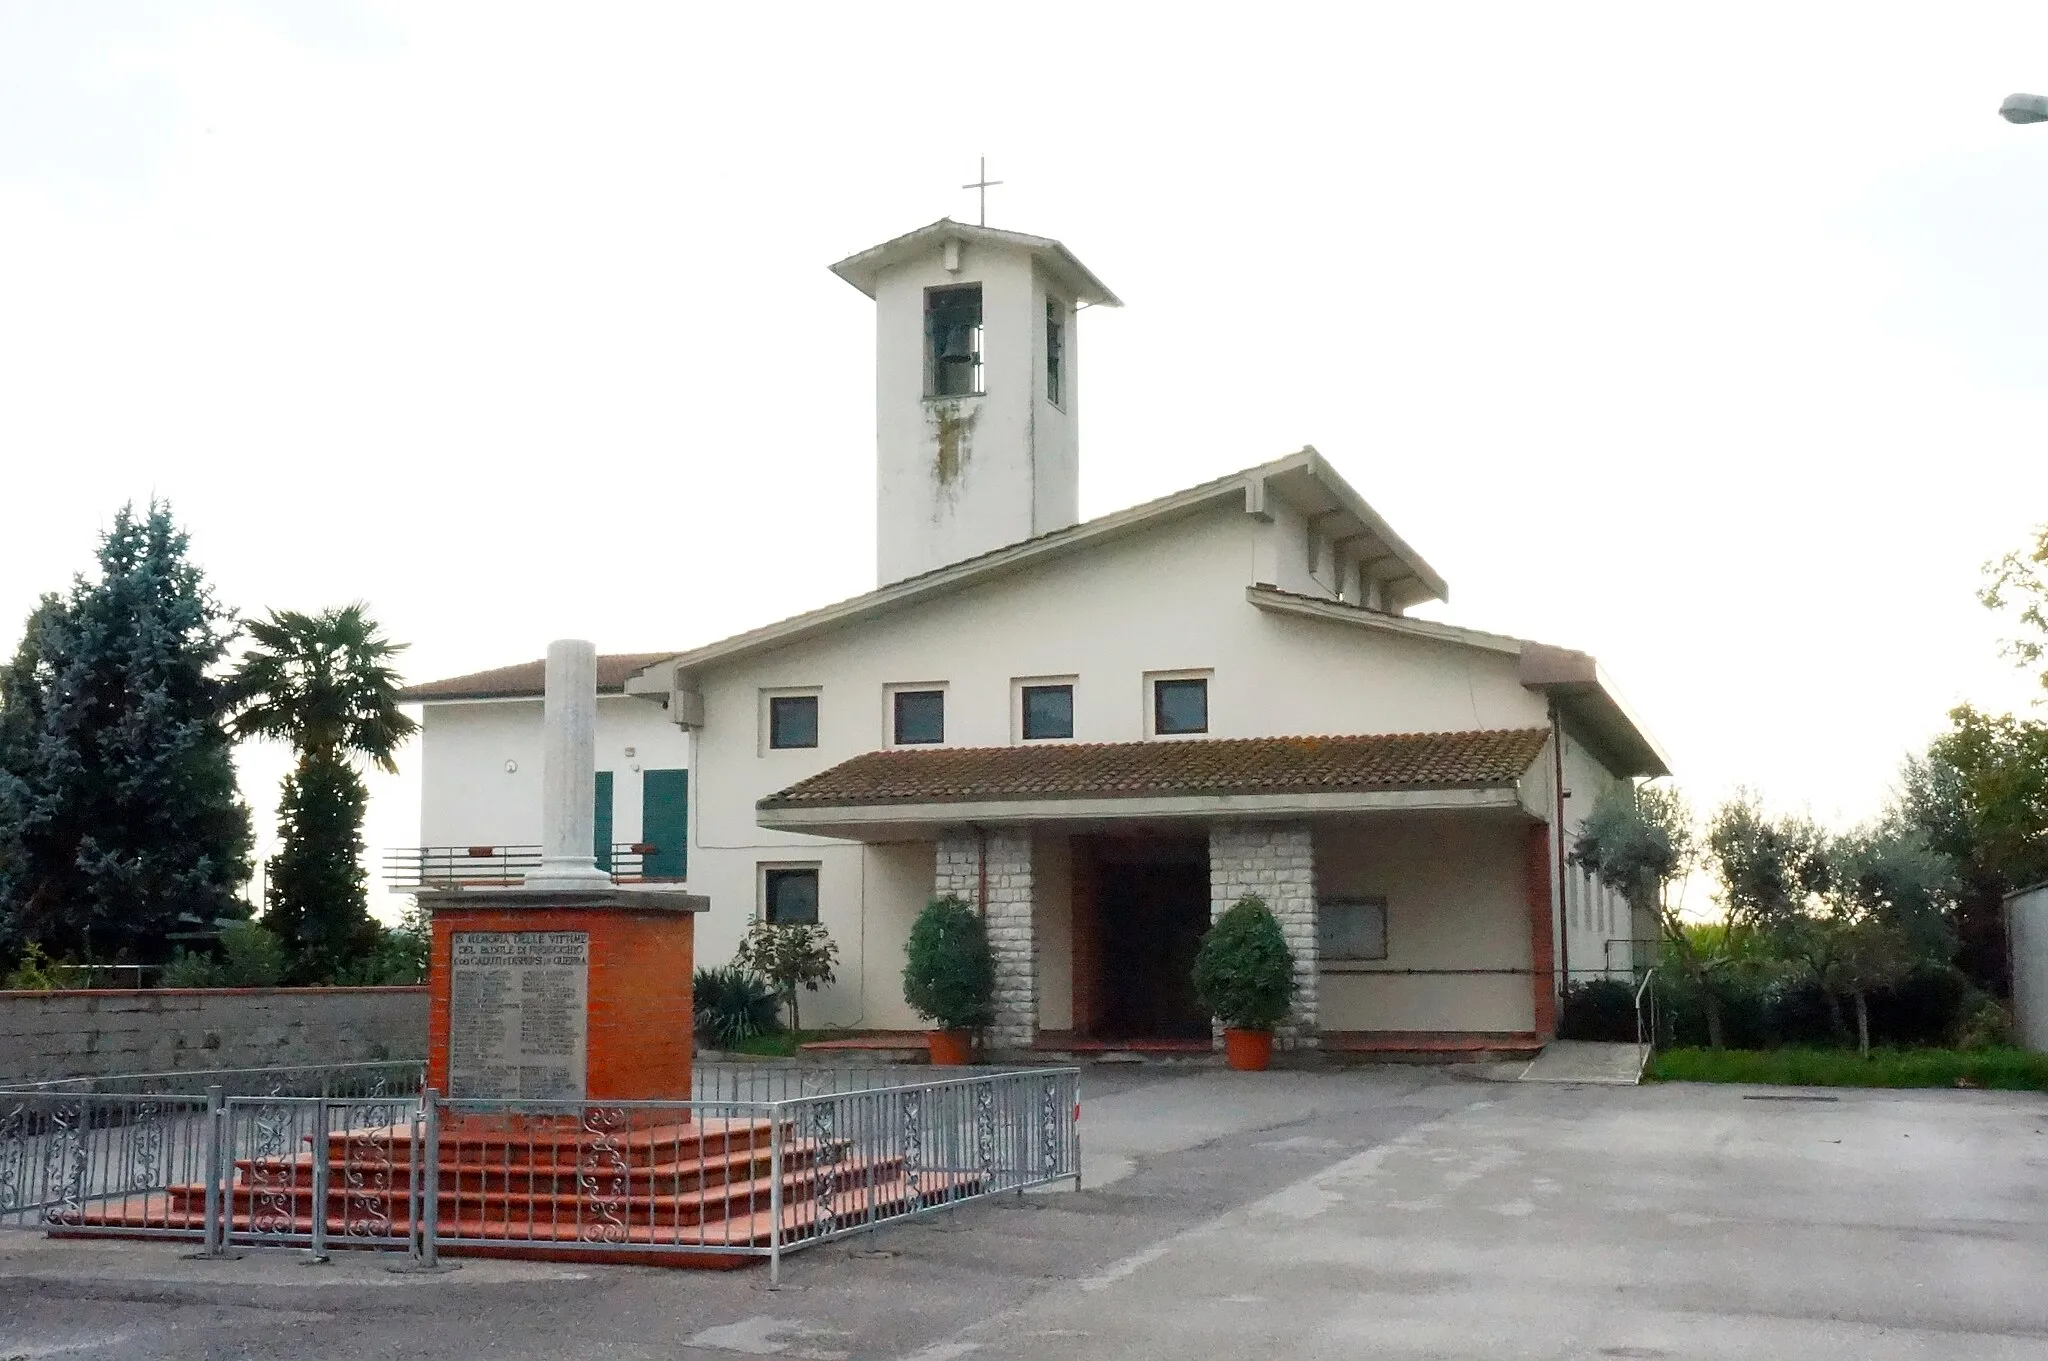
952 334
1048 712
1351 929
920 716
793 721
1055 353
1180 706
790 895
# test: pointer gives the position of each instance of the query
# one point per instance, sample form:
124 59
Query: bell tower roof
864 269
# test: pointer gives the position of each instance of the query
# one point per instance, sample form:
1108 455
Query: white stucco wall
1017 469
1453 885
468 798
2026 925
1169 599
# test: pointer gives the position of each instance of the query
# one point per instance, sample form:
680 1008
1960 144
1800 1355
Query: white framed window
1042 709
1177 703
789 718
1351 930
788 892
914 714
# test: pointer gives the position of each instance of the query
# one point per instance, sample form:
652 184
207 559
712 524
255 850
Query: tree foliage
949 974
1979 797
792 957
118 811
1639 841
323 683
2016 586
1244 972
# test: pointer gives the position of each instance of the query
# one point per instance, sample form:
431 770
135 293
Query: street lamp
2024 109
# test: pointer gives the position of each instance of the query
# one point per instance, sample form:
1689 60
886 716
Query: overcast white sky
1711 342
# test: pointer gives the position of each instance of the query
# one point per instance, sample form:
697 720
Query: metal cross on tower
984 184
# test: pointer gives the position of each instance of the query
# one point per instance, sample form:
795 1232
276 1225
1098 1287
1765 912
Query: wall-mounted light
511 767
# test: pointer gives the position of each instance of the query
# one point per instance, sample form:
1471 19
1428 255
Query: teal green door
601 832
665 823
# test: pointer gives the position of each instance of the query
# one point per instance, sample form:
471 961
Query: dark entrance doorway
1142 905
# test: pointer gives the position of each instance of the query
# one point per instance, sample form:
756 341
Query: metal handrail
481 866
1646 1039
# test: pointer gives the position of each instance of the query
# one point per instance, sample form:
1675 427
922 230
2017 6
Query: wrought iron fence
764 1161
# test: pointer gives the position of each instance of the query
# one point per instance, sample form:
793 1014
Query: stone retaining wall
96 1032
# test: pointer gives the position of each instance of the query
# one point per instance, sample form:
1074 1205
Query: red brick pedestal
638 1034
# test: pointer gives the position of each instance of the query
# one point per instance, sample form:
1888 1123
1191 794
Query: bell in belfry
958 343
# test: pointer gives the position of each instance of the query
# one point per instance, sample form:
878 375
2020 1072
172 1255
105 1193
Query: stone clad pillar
1277 862
1003 859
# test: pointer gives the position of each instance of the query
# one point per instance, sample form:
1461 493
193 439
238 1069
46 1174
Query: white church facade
1100 732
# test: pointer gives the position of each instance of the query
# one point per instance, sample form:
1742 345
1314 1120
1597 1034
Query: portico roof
1170 778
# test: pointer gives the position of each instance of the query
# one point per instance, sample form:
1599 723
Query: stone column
960 872
1277 862
568 770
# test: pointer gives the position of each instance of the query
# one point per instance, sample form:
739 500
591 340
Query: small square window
790 896
1351 929
920 716
793 721
1180 706
1048 712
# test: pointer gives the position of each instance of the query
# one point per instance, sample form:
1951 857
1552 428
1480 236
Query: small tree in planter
790 956
949 976
1244 975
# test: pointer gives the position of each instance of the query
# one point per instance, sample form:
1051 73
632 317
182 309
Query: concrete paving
1395 1214
1610 1065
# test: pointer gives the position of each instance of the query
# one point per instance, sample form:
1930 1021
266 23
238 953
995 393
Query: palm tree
324 684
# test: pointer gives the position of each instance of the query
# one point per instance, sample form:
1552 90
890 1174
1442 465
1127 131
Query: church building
1101 732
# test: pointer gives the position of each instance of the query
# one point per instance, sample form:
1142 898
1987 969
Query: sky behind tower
1708 341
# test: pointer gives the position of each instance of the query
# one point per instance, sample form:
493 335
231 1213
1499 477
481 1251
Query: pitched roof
525 679
862 270
1303 476
1219 766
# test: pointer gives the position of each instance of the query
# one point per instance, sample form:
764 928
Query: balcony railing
418 867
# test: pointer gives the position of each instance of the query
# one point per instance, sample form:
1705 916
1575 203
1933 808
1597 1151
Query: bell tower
977 431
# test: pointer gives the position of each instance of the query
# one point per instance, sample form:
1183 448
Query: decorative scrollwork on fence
14 1138
273 1172
368 1183
985 1129
1049 1127
64 1162
825 1168
603 1176
145 1146
913 1147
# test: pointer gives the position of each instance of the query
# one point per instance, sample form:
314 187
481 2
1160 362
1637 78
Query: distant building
1103 732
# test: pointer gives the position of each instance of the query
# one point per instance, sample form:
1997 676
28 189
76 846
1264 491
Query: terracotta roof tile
525 679
1253 765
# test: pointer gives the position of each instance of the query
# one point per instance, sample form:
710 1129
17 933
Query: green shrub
1244 972
733 1006
251 956
398 955
790 956
33 973
949 975
1599 1009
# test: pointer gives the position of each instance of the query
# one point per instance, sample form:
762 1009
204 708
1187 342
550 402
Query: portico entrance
1141 905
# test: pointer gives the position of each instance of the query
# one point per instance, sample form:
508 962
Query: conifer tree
119 821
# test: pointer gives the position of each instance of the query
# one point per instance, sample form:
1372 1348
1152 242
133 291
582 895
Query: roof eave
1585 692
864 268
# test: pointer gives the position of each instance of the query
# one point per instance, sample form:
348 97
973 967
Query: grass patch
2010 1070
782 1044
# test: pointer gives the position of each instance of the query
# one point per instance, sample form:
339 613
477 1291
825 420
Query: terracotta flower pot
1248 1051
950 1048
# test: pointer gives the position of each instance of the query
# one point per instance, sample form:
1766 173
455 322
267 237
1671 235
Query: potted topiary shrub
949 977
1244 975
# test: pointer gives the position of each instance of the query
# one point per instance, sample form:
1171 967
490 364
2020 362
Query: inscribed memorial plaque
517 1014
